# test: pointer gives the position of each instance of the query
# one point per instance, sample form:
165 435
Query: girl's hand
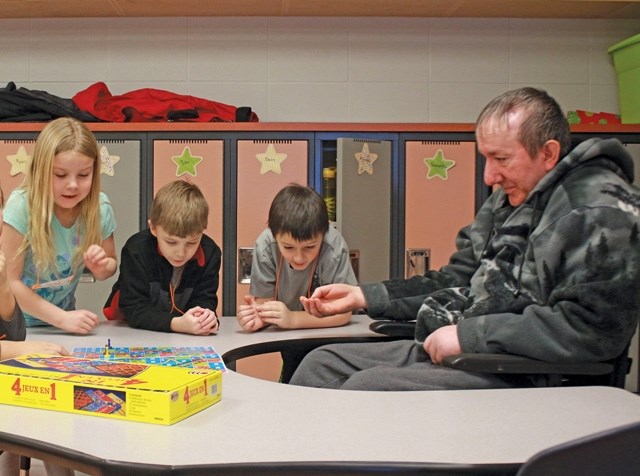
40 347
96 259
4 281
79 321
11 349
7 301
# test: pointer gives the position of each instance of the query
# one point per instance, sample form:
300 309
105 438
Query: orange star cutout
365 160
270 160
20 162
107 161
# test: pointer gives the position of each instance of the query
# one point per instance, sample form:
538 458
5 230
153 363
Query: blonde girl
12 344
12 326
57 224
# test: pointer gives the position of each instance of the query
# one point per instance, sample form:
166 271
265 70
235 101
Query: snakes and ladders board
190 357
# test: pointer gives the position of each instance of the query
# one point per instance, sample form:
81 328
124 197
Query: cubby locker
199 161
264 166
440 192
120 181
16 157
363 203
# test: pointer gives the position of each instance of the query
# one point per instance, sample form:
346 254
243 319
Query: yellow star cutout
20 162
365 160
107 162
270 161
438 165
186 163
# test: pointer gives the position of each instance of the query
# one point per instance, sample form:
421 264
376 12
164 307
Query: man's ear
550 154
152 228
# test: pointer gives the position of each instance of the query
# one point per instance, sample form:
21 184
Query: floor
37 469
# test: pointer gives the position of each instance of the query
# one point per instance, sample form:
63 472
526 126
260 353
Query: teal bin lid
624 44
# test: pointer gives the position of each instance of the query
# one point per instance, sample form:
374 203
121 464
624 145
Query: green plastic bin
626 61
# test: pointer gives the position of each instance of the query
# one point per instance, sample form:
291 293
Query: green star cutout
186 163
438 165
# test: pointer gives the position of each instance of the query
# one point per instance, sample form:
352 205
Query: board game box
114 389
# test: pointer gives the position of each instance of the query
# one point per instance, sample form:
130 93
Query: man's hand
334 299
441 343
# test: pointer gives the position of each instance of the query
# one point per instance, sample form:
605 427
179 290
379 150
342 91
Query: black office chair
611 373
615 451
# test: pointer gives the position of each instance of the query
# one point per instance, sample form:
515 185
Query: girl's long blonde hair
61 135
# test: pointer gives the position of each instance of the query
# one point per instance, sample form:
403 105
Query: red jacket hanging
156 105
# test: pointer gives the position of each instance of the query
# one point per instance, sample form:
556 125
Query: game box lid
91 371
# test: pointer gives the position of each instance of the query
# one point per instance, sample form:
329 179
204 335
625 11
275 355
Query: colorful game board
79 365
192 357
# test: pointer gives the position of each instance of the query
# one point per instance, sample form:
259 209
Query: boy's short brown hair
299 211
180 209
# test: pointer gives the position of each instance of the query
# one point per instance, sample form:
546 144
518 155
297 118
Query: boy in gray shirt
298 252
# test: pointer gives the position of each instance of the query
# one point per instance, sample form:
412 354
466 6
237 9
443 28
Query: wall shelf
618 9
376 127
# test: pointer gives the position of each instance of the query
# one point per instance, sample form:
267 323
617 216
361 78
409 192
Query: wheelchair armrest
394 328
514 364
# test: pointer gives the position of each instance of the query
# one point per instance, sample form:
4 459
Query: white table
266 425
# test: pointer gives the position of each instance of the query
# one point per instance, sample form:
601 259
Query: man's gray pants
395 365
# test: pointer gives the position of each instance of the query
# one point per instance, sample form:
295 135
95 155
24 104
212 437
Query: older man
549 269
